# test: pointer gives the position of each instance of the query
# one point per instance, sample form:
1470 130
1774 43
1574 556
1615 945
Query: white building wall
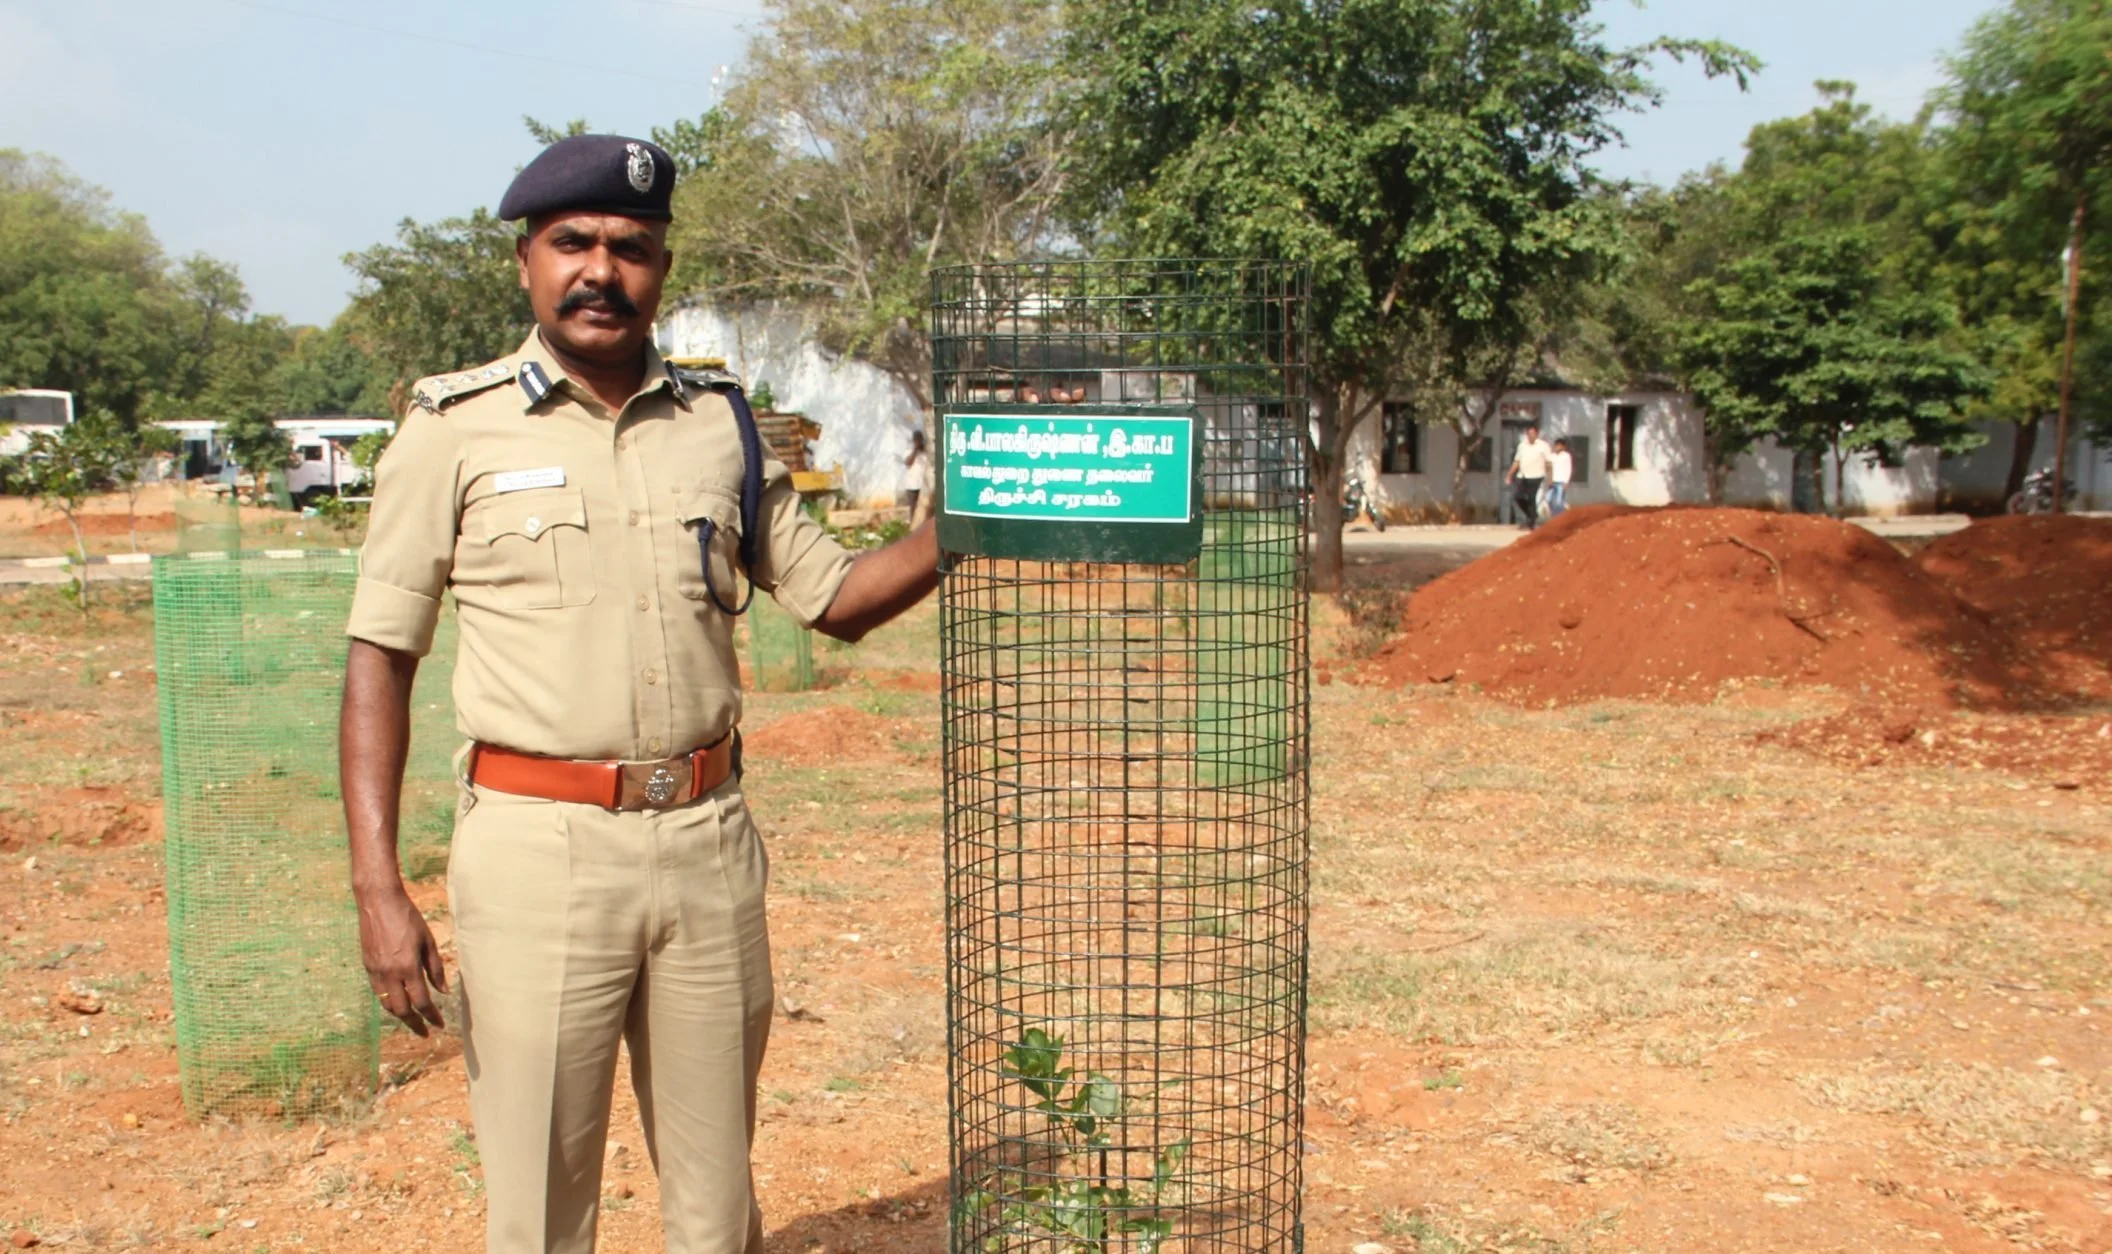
1669 467
865 416
1974 481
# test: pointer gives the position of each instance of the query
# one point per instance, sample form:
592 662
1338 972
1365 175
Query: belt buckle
654 785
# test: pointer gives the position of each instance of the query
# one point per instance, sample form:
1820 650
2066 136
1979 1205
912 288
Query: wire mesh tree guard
1126 747
273 1012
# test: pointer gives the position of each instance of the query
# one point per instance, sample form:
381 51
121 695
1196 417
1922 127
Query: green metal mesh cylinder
780 651
1126 786
273 1012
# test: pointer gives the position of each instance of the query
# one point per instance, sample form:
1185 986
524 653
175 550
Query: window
1483 458
312 453
1579 459
1401 451
1621 422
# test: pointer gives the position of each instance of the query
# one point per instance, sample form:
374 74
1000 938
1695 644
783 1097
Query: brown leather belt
611 785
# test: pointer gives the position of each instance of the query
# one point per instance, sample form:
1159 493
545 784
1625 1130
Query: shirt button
622 442
633 520
652 675
645 603
654 746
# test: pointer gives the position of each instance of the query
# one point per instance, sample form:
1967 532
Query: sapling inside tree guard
1125 662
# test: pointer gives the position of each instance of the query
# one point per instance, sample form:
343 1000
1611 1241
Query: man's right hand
401 957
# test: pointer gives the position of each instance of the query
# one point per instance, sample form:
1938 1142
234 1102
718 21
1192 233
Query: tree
327 372
85 302
864 143
135 457
1425 157
445 296
1835 172
238 394
2028 114
63 469
1798 341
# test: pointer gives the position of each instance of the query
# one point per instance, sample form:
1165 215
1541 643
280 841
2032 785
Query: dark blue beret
594 174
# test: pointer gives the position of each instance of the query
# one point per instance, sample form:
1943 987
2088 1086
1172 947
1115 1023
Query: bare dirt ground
1614 976
110 523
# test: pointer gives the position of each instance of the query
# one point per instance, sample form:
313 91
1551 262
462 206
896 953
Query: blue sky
281 134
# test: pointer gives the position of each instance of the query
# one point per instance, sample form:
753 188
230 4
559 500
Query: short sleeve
798 563
411 528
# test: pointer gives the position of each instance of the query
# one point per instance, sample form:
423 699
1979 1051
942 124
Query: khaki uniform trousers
576 928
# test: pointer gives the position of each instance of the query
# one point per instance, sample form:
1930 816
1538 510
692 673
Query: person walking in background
1528 473
1559 468
915 467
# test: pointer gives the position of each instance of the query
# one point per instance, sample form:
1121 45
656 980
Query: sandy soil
1614 976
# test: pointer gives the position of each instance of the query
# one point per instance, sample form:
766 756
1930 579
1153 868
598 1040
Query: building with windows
1645 448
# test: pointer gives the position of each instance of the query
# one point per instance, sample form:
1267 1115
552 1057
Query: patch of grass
1535 979
1437 1229
1977 1115
1590 1140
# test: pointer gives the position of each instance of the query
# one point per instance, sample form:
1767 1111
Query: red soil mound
1675 604
2045 584
833 733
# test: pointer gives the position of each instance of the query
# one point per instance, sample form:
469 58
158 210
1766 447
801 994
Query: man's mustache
611 300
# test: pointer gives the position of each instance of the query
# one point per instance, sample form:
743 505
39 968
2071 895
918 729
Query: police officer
584 503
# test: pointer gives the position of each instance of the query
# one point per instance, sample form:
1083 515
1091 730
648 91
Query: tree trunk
80 551
2025 443
1840 478
2075 296
1818 482
1715 467
1467 445
1330 444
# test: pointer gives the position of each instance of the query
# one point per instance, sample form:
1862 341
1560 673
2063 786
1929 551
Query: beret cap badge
614 174
639 166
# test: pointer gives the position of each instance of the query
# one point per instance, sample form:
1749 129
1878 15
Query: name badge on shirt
520 480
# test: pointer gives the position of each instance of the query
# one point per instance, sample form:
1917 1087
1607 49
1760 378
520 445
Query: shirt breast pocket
702 511
536 543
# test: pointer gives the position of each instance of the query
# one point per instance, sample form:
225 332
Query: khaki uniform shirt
569 537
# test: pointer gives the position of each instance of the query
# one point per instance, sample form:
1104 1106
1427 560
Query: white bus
28 410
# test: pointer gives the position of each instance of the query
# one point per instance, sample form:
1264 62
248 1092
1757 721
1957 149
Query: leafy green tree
445 296
1427 158
136 458
327 372
1799 341
63 469
545 134
2027 130
85 303
865 142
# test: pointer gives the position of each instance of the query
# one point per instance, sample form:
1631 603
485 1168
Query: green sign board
1070 483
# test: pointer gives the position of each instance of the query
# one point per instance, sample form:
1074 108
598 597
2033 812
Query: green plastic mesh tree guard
273 1011
780 651
1127 798
208 523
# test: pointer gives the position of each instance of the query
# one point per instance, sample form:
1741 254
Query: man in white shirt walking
1528 473
1559 468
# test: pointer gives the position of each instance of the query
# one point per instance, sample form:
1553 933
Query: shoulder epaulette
442 390
703 377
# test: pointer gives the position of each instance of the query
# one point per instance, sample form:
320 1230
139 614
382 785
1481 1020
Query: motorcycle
2037 494
1355 502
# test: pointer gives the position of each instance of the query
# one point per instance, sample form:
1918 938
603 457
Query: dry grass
1521 982
1980 1115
